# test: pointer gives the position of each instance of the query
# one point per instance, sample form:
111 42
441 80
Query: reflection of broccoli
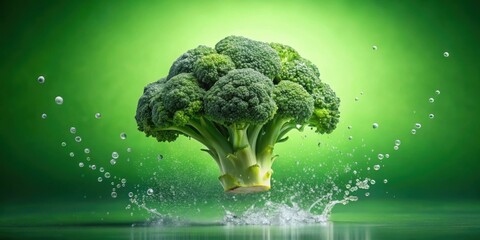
238 100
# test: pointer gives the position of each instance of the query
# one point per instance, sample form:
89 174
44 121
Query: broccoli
238 99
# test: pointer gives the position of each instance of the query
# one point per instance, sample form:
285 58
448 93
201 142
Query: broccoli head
238 100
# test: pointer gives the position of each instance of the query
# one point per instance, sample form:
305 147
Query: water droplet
41 79
385 181
150 191
99 179
380 156
349 127
356 99
123 180
431 116
418 125
113 161
397 142
73 130
80 164
361 93
160 157
88 158
115 155
59 100
123 136
431 100
414 131
93 167
319 144
376 167
446 54
387 155
114 194
129 149
64 144
350 138
87 150
367 194
72 154
298 126
107 175
375 125
101 169
98 115
78 139
437 92
395 148
44 115
374 47
372 182
130 194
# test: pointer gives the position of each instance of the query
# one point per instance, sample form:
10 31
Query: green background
99 55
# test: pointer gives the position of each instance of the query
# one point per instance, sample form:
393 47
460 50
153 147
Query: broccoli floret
247 53
243 96
209 68
184 64
326 114
226 100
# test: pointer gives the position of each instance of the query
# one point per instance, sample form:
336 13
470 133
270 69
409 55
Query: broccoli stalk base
251 179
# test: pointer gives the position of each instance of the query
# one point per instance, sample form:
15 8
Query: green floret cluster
238 99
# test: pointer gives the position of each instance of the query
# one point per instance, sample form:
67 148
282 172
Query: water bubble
385 181
130 194
150 191
374 47
107 175
418 125
437 92
432 100
367 194
376 167
349 127
414 131
72 154
398 142
446 54
372 182
387 155
361 93
115 155
64 144
375 125
99 179
123 180
113 161
431 116
73 130
88 158
160 157
98 115
87 150
93 167
44 115
78 139
380 156
59 100
395 148
123 136
41 79
356 99
80 164
114 194
101 169
350 138
129 149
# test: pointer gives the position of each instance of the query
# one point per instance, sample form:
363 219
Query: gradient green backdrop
99 55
